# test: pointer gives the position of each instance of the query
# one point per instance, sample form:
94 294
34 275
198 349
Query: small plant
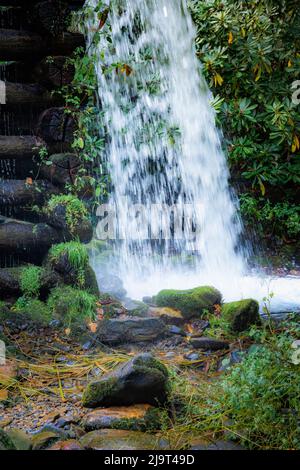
34 309
30 281
77 256
75 209
72 305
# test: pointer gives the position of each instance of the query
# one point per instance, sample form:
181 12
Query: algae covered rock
115 439
241 314
116 331
143 379
20 439
6 443
191 302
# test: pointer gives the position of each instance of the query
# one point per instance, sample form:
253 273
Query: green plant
33 309
72 305
76 254
31 281
75 209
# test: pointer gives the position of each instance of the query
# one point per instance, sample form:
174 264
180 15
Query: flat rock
130 330
208 344
143 379
115 439
133 417
170 316
70 444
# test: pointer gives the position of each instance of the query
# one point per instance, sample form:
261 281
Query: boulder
44 439
143 379
20 439
241 314
170 316
122 330
70 444
63 169
115 439
209 344
192 302
136 417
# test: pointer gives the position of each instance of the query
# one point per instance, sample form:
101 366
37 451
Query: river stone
241 314
20 439
70 444
63 169
44 439
192 302
209 344
6 442
116 439
199 444
143 379
135 417
122 330
168 315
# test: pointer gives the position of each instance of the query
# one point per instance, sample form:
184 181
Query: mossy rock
116 439
135 418
6 443
192 302
20 439
44 439
136 308
242 314
143 379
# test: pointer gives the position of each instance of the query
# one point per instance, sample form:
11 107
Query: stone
143 379
20 439
241 314
168 315
209 344
140 417
6 443
63 169
70 444
135 307
115 439
111 284
199 444
122 330
192 302
44 439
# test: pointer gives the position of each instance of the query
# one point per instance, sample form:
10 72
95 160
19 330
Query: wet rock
71 444
136 417
168 315
113 285
6 443
192 357
208 344
191 302
129 330
135 307
234 357
175 330
143 379
20 439
63 169
114 439
199 444
44 439
241 314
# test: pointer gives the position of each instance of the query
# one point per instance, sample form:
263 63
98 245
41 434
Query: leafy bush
250 56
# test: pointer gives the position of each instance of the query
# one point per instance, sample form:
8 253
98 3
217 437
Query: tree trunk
18 147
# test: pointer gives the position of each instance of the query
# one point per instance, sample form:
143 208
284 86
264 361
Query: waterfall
163 150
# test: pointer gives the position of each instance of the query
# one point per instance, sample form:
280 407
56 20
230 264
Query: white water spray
164 150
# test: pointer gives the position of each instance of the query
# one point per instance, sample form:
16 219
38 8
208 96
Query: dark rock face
130 330
208 344
56 126
242 314
63 169
143 379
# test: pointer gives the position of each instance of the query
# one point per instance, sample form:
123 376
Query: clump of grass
76 254
31 281
72 305
33 309
75 209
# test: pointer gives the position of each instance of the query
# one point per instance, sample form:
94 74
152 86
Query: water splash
163 150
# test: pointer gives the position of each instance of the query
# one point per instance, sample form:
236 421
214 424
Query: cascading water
163 150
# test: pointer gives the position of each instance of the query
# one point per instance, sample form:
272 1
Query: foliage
30 281
77 256
75 209
250 56
72 305
33 309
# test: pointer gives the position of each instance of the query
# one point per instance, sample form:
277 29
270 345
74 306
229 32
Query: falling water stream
164 151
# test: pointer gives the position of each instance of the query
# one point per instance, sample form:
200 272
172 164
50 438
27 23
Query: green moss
241 315
6 442
72 305
96 391
192 302
77 256
151 363
153 420
33 309
30 281
75 209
